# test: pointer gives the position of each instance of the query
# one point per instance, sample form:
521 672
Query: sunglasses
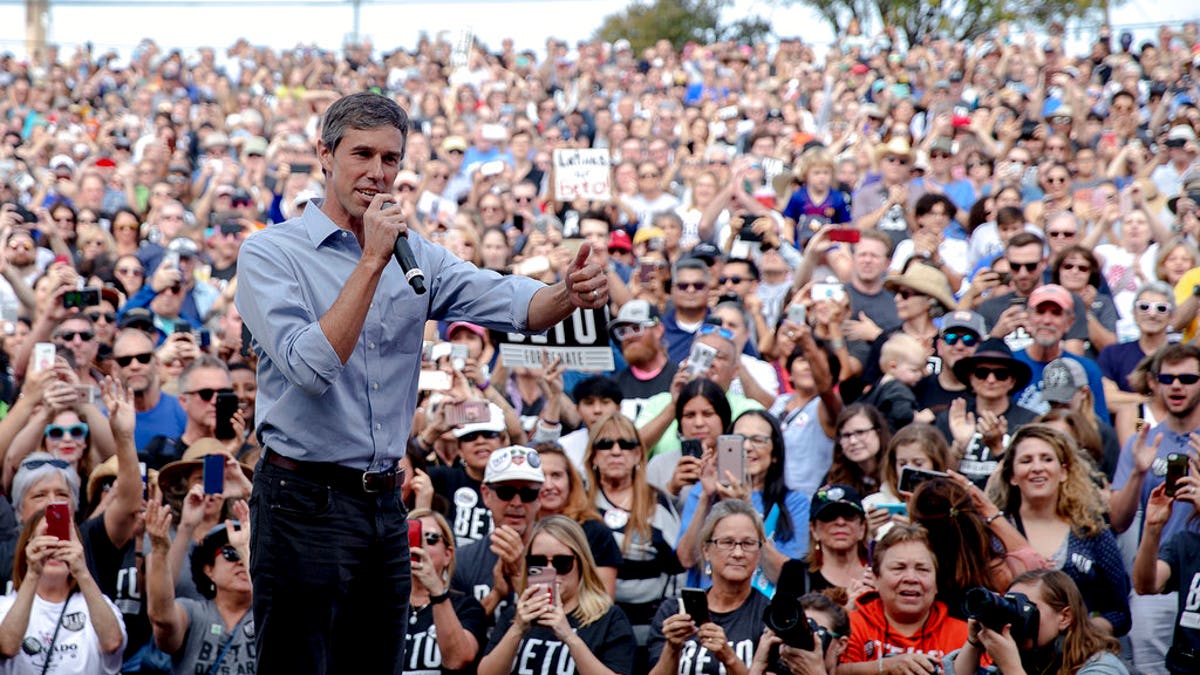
733 279
906 293
896 160
1060 234
142 358
135 271
1074 267
622 332
83 335
39 463
56 432
1158 307
1056 179
1028 267
939 155
109 317
562 563
433 538
506 493
691 286
608 443
207 394
967 339
476 435
1184 378
230 553
709 329
647 175
1001 374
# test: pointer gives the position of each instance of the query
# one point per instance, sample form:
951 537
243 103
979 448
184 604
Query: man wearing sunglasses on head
199 385
470 518
485 569
158 413
961 333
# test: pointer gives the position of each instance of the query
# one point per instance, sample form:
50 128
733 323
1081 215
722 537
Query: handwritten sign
581 173
580 341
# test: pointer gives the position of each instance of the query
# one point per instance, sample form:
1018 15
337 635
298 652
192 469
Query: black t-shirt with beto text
610 639
421 653
743 627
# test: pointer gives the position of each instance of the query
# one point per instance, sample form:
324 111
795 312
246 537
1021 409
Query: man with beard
1051 315
1010 317
511 486
639 332
1140 469
158 413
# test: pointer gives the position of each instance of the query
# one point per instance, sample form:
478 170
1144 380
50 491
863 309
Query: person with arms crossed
333 322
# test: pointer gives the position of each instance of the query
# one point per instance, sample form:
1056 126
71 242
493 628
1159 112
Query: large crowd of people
904 343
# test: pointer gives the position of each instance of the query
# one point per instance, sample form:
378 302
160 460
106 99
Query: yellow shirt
1183 291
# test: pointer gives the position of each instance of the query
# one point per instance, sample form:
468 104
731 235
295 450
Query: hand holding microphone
400 248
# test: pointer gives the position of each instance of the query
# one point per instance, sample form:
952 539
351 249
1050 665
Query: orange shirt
872 638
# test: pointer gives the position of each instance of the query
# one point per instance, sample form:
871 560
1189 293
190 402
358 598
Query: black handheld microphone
408 263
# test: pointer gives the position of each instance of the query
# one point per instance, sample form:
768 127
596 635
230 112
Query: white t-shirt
77 648
1121 271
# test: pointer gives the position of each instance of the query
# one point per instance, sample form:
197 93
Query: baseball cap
474 328
515 462
216 139
1061 378
1052 293
454 143
58 161
635 312
1180 135
706 251
859 69
494 422
256 145
967 319
833 499
137 317
645 234
619 241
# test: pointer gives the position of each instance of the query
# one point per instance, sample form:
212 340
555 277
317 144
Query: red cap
619 241
859 69
1054 294
105 162
454 327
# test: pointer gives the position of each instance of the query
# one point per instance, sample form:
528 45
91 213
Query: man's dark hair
1174 353
689 264
1008 215
1123 94
596 215
1023 239
363 110
597 386
927 201
744 261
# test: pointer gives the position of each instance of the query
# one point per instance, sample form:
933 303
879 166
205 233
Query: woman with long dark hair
702 413
862 435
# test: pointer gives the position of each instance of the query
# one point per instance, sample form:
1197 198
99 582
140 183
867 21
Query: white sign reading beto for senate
580 341
581 173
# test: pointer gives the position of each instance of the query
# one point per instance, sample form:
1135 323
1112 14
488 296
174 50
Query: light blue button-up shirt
311 406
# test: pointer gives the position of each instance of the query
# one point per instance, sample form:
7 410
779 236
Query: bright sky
389 25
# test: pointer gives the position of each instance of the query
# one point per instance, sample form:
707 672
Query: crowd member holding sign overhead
332 320
564 621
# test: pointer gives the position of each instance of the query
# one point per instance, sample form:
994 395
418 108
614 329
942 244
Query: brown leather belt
340 478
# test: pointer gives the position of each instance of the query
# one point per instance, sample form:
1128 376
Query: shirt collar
318 225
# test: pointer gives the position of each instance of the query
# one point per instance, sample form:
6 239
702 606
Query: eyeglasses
1076 267
735 279
975 165
20 246
727 544
759 440
142 358
56 432
1158 307
709 329
648 175
1028 267
939 155
967 339
135 271
109 317
207 394
562 563
847 436
1184 378
691 286
433 538
230 553
69 336
895 159
906 293
608 443
476 435
628 331
1001 374
1063 234
505 493
39 463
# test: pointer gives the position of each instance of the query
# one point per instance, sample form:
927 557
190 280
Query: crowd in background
974 260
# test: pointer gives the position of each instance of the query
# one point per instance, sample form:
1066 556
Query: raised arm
120 518
167 617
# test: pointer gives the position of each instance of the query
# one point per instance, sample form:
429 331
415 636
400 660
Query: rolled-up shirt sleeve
274 306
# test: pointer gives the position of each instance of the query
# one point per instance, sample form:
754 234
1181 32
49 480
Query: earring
707 568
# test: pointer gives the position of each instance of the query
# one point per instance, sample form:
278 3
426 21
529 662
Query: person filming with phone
336 329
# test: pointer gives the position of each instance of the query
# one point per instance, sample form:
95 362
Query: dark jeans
331 576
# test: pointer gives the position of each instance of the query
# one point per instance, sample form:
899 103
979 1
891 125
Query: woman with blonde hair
440 634
1048 495
1175 257
569 625
642 519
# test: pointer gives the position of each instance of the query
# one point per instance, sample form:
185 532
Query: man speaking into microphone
338 331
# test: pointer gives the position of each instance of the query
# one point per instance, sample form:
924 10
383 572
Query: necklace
626 504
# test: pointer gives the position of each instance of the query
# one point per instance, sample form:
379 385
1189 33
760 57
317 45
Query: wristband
837 343
975 643
482 386
438 599
990 519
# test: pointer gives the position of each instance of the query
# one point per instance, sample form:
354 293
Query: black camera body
996 611
786 618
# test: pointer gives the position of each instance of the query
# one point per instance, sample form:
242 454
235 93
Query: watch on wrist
438 599
1196 291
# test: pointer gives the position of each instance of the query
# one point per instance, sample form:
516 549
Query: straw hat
108 469
898 145
925 280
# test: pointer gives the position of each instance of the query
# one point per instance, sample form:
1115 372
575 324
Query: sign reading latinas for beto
580 341
581 173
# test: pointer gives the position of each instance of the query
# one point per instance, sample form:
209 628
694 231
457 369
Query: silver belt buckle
392 472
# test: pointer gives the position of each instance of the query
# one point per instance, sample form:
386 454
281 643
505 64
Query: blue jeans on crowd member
331 574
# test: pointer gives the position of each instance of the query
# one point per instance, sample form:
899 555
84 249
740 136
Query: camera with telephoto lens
995 611
786 618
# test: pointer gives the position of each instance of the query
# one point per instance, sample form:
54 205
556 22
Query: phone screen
214 474
691 447
910 477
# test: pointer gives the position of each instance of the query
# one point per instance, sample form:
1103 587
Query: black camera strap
54 638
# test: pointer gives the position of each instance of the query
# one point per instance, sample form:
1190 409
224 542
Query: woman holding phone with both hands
572 627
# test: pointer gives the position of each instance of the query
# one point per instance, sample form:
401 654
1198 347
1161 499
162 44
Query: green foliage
680 21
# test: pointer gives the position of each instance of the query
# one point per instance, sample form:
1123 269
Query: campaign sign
580 341
581 173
